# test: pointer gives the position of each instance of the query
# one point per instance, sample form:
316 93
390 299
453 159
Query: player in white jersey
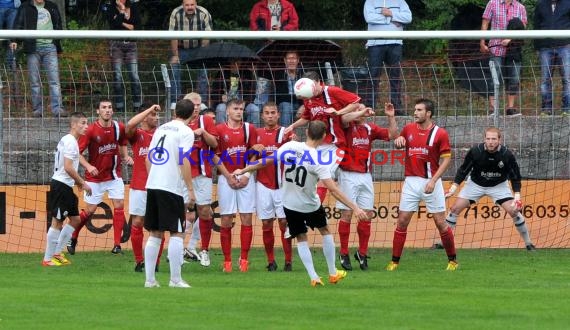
302 171
169 162
62 201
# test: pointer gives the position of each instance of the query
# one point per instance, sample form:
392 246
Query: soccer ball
305 88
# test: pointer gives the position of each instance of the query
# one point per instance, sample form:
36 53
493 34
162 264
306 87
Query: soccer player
426 144
105 140
302 171
489 166
269 200
63 202
139 138
355 180
168 171
328 104
205 142
236 140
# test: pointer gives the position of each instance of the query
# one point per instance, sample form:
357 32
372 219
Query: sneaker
437 246
339 276
243 265
272 266
345 261
288 267
513 112
531 247
156 269
287 234
452 265
227 267
317 282
362 260
204 258
139 267
151 284
62 259
51 263
392 266
71 246
117 250
180 284
191 255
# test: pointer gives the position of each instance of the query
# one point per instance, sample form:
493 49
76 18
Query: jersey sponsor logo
490 175
143 151
417 151
107 147
360 141
317 110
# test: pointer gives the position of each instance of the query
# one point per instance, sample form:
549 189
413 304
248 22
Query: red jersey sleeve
379 133
444 147
122 135
343 97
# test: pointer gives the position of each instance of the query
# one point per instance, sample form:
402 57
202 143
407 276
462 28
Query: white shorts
231 201
269 203
115 189
358 187
137 202
202 190
413 193
328 151
473 192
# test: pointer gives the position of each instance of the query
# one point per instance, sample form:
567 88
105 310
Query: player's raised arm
134 122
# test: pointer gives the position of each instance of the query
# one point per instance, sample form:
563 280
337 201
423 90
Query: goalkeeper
489 166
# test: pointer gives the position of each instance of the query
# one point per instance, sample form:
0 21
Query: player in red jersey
426 144
105 141
205 142
236 139
269 201
139 138
355 180
328 104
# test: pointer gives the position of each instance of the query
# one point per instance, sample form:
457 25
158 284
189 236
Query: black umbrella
312 53
221 53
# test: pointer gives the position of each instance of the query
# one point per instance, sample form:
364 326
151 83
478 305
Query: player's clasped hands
85 187
400 142
93 170
361 214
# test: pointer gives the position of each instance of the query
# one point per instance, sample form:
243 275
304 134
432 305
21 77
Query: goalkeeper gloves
451 190
517 203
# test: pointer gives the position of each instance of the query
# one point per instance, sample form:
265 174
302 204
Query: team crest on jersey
64 214
410 137
226 138
98 139
501 165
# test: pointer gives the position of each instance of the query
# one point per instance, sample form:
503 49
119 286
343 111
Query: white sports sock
51 242
451 220
64 237
307 259
521 227
329 252
175 258
150 255
195 236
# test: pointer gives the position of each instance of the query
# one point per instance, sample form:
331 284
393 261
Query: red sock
160 252
137 242
246 236
268 240
448 242
398 243
343 234
205 232
287 246
322 192
84 217
363 230
118 223
226 242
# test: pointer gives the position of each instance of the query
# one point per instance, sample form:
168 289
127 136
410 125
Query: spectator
125 16
386 15
496 16
284 83
188 17
273 15
41 15
553 15
8 11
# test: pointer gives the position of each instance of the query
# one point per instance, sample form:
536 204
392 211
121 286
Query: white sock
451 220
64 237
187 225
51 242
521 227
307 259
176 258
329 252
150 255
195 236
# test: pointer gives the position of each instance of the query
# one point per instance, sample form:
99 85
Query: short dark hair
103 99
316 130
429 106
184 109
76 116
234 101
313 75
270 104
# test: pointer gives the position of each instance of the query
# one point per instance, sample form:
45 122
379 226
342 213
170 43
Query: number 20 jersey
301 172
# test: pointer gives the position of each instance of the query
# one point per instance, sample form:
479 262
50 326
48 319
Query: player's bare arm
232 181
88 167
361 112
125 157
400 142
300 122
68 167
445 162
134 122
210 140
392 123
187 176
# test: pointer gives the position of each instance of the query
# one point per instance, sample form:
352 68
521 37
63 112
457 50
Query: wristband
247 174
517 196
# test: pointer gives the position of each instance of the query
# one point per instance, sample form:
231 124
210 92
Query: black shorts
298 221
164 211
62 201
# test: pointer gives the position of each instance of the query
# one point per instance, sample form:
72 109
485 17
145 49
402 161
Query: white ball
305 88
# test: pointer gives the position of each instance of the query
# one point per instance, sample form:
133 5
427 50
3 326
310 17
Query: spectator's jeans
389 57
509 74
125 52
46 57
549 59
287 112
7 17
251 114
185 55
